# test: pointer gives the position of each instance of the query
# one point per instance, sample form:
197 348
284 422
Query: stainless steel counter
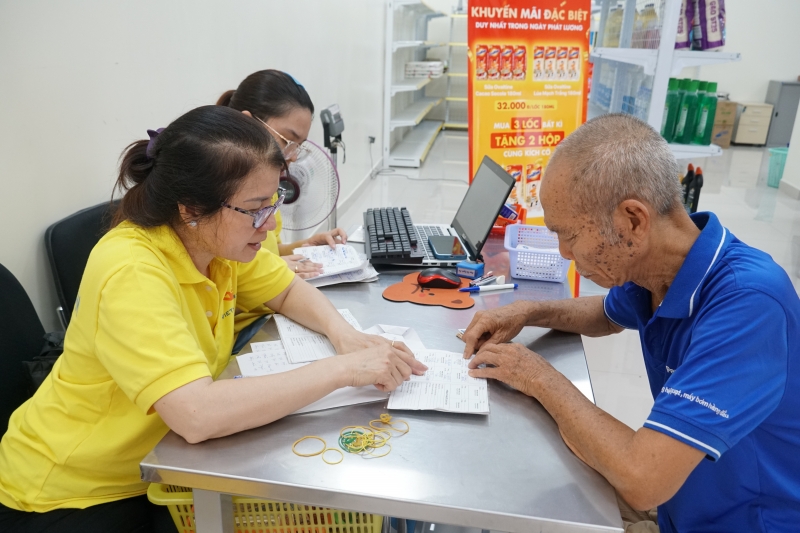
508 471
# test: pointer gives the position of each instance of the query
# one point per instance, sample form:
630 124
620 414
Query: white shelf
693 151
419 7
456 125
413 114
643 57
397 45
413 84
691 58
411 151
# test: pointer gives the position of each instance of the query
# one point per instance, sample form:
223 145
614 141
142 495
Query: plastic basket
543 263
777 160
252 515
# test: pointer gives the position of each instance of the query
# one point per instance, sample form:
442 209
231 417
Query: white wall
766 34
82 79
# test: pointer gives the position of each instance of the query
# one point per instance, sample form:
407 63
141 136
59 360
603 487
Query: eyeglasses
260 217
292 150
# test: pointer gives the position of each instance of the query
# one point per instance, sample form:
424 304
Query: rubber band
332 450
386 419
298 441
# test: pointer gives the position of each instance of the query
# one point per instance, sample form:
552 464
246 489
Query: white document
446 386
344 258
399 333
366 274
303 345
270 358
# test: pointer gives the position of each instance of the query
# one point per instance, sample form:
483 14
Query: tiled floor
735 189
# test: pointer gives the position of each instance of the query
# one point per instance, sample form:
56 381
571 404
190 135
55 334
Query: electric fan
311 188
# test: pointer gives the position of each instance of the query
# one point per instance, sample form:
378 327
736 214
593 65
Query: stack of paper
303 345
446 386
424 69
342 265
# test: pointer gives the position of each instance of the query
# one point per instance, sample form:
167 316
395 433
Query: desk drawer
757 111
754 121
751 134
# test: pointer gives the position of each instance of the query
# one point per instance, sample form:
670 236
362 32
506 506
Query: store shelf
456 125
693 151
457 74
413 114
691 58
456 98
460 45
397 45
418 7
411 151
413 84
645 58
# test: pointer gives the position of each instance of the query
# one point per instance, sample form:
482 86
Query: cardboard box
726 112
721 135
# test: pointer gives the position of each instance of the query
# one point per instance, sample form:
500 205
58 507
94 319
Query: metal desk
508 471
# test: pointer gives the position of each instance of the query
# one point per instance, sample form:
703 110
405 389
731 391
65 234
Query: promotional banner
528 86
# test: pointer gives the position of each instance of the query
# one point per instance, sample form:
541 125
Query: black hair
267 94
198 161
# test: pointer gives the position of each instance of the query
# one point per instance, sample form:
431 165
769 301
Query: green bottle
671 106
711 98
687 116
701 91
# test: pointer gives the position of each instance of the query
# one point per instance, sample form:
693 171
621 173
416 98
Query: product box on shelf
726 113
721 135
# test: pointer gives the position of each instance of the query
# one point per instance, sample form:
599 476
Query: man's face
579 238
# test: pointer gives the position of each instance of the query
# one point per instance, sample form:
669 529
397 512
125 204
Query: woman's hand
331 238
382 365
304 269
356 341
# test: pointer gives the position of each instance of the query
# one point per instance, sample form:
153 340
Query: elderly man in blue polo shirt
719 324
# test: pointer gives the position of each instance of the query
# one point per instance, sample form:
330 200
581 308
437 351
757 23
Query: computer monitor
485 197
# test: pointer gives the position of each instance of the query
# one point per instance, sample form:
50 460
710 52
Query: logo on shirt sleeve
229 296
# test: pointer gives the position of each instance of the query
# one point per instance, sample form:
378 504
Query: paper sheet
366 274
303 345
446 386
270 358
343 259
399 333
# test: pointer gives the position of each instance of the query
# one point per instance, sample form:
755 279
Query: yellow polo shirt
146 322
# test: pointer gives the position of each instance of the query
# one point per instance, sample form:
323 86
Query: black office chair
21 334
69 243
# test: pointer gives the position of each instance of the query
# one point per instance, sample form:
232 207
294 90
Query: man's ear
248 113
635 217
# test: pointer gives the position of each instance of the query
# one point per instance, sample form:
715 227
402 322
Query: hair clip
151 145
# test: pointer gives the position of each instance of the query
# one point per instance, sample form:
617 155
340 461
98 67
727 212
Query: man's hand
513 364
494 326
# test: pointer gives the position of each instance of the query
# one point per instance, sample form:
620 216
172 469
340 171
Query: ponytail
225 99
134 169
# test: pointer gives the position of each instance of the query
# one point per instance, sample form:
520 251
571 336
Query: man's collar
682 297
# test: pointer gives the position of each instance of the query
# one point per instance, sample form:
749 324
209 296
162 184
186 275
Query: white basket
543 263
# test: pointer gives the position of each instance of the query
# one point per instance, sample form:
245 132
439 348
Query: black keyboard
390 237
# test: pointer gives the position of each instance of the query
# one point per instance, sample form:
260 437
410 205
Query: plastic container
777 160
671 106
266 516
706 112
533 254
687 115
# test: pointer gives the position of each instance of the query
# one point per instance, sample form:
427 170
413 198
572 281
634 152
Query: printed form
344 258
303 345
271 358
446 386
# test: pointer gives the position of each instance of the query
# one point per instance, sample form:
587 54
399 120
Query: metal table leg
213 511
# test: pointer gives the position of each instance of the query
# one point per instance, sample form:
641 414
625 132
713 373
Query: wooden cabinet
753 124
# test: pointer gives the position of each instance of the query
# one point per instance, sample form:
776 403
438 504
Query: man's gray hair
616 157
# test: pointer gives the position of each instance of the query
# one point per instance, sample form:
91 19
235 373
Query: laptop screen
481 205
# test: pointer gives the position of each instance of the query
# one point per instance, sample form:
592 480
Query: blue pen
485 288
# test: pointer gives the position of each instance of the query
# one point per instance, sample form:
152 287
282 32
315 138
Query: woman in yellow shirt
285 109
153 327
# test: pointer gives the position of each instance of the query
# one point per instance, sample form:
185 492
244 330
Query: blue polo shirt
722 353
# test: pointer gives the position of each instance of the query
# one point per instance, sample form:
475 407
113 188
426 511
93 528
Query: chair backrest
21 334
69 243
